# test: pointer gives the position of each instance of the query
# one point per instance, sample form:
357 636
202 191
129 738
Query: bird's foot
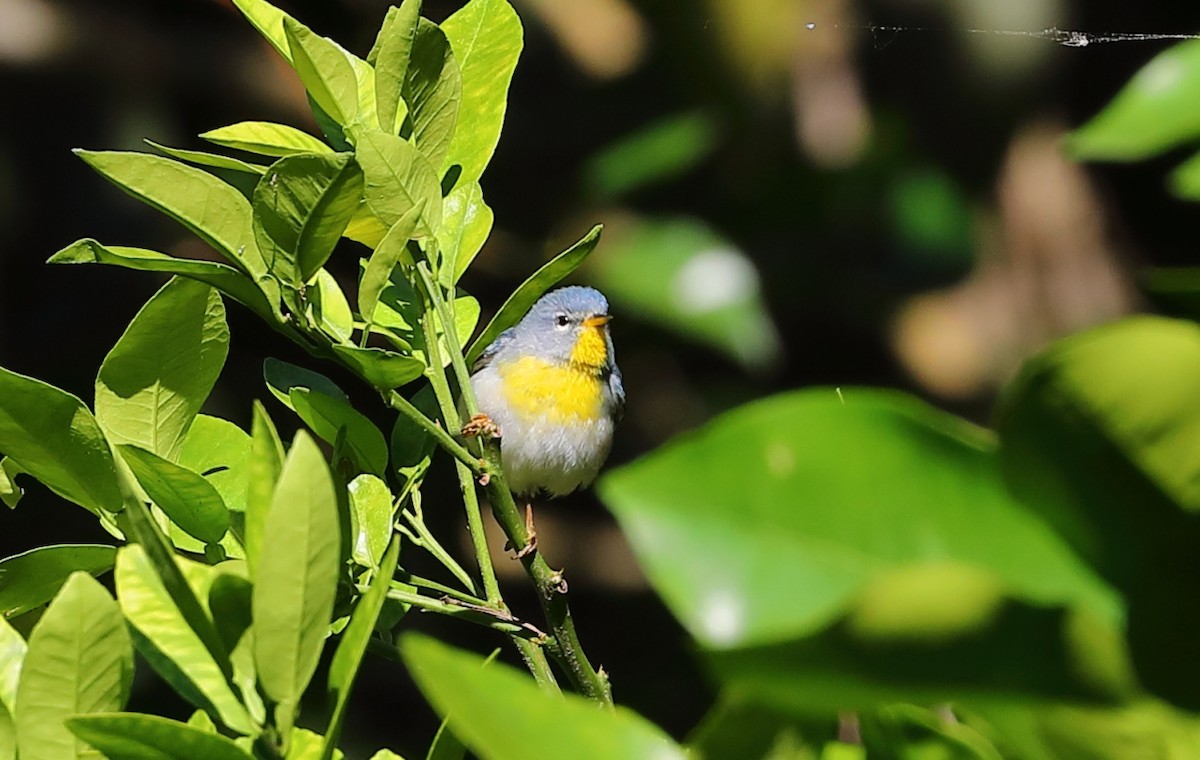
481 425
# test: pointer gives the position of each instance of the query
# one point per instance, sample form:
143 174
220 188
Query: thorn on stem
558 582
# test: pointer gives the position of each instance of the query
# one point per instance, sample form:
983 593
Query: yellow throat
534 387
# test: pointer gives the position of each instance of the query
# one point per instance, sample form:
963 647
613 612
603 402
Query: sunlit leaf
383 369
330 309
333 419
390 56
132 736
186 497
218 450
372 510
501 714
265 139
466 224
158 375
433 91
79 661
398 178
384 259
325 70
262 471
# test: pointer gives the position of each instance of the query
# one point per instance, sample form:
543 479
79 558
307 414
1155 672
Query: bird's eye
562 320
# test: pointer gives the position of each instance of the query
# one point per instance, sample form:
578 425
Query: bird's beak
597 321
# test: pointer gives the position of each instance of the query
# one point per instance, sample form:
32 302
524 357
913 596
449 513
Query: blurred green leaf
373 510
1095 433
390 56
666 149
681 274
12 657
1175 290
446 745
51 435
398 178
844 487
349 655
384 259
329 308
736 729
381 368
332 418
466 224
433 91
932 218
30 579
296 581
132 736
501 714
186 497
167 640
906 732
79 661
265 138
218 450
550 274
213 210
301 207
325 71
158 375
224 278
262 472
932 633
1154 112
486 37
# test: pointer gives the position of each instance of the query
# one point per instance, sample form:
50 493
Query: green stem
431 585
456 354
550 586
430 544
456 449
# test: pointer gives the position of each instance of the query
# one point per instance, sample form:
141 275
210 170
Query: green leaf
268 20
301 206
30 579
281 377
503 715
381 368
329 308
154 381
262 472
332 418
12 657
926 485
433 91
466 224
446 745
10 491
1153 113
232 171
386 754
1095 434
551 273
186 497
216 212
306 745
410 445
168 641
218 450
935 632
51 435
372 510
398 179
79 661
295 583
325 70
390 57
384 259
1185 180
906 731
349 655
132 736
681 274
486 38
224 278
737 729
265 138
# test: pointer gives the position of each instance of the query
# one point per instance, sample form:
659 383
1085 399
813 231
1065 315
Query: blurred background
790 198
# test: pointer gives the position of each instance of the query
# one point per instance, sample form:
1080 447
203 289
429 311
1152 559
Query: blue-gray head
569 325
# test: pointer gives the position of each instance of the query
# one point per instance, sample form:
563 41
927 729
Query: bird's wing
617 389
495 347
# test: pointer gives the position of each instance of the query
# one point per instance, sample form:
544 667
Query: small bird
550 389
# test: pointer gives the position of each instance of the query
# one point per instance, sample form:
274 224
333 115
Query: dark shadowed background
784 207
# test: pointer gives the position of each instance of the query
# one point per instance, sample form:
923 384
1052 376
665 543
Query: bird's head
570 326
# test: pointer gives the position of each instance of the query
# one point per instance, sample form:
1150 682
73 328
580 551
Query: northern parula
551 386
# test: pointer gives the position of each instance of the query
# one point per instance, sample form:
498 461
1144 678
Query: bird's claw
480 425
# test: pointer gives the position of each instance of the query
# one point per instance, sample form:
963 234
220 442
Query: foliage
1028 592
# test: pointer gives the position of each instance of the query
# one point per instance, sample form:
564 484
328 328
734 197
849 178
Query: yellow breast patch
533 387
